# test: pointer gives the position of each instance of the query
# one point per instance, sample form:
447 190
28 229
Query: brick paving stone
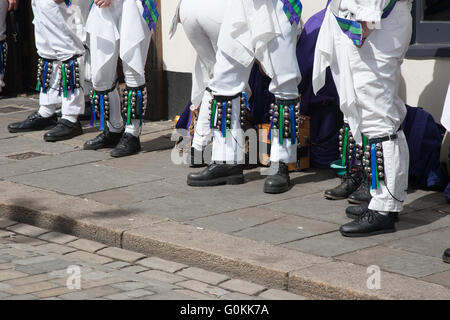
87 245
33 260
242 286
5 266
179 295
90 293
117 264
56 248
3 295
163 276
4 223
11 274
53 292
87 284
4 286
30 288
121 254
27 230
87 257
134 269
5 234
28 280
138 293
42 267
192 295
203 275
274 294
22 297
161 264
117 296
58 237
203 288
237 296
442 278
95 275
27 240
129 285
397 261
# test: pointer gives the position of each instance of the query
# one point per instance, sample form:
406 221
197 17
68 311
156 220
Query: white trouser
55 40
368 79
3 13
230 78
128 37
201 20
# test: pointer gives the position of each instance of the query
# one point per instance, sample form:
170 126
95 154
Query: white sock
46 111
72 119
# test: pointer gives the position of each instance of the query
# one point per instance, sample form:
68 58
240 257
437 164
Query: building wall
425 81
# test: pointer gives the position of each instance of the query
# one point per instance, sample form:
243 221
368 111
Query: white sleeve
368 10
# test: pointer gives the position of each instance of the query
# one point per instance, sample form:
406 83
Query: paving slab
19 144
229 222
135 193
83 179
441 278
50 162
429 244
287 229
313 206
331 244
397 261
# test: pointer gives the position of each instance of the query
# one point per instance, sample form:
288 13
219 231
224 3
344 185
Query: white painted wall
425 80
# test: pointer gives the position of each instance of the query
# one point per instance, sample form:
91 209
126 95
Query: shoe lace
367 215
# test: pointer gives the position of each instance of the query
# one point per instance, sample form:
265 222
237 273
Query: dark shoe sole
120 155
276 190
355 201
334 197
374 233
99 147
446 259
31 129
236 179
55 139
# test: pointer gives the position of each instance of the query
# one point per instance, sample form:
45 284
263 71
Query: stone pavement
288 241
40 264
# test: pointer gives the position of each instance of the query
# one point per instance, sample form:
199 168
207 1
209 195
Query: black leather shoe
106 139
350 183
362 194
353 212
63 130
446 256
370 223
127 146
279 182
216 174
34 122
197 160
